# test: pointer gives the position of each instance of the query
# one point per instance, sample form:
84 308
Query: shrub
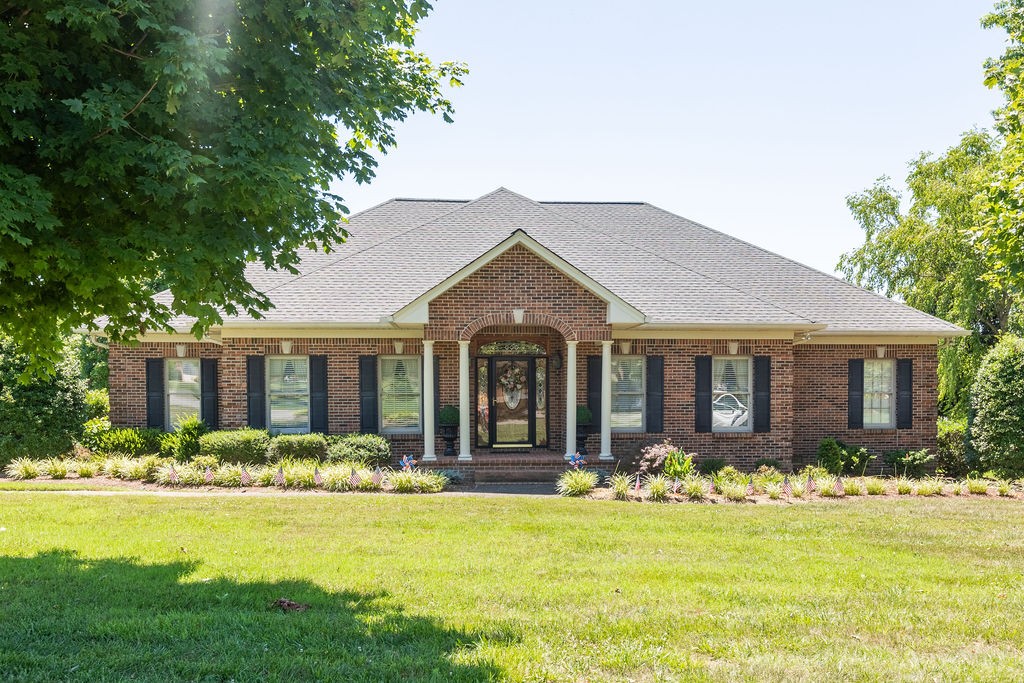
228 474
678 465
827 486
576 483
774 490
652 457
929 487
449 415
55 468
86 469
904 486
187 432
22 468
298 447
767 474
733 491
812 471
416 481
168 445
117 466
728 475
852 487
657 487
799 487
143 469
997 431
709 466
402 482
620 485
768 462
236 445
831 455
336 477
372 449
874 486
908 463
93 432
1003 487
839 459
129 441
695 488
951 448
958 488
428 481
204 461
977 487
454 477
41 417
97 404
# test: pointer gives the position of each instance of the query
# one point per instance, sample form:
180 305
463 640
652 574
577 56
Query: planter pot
582 432
449 434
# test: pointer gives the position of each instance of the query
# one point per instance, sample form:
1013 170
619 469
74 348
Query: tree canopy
921 248
174 142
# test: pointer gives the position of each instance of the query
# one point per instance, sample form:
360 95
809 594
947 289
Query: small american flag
246 477
711 487
636 489
317 479
279 477
208 477
838 488
675 486
355 480
810 484
172 476
377 477
787 488
750 487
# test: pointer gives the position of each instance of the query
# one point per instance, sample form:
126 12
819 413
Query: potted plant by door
448 418
584 418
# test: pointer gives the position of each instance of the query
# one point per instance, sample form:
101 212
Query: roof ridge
796 263
685 267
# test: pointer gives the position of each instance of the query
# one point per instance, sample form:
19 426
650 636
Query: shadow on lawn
63 617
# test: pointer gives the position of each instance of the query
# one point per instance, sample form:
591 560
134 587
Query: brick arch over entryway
506 318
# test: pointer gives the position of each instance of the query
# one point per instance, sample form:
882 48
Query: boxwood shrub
951 449
298 447
236 445
129 441
372 449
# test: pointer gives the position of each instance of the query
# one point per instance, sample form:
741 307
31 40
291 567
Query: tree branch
129 112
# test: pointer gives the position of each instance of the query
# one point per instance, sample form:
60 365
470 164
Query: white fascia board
619 311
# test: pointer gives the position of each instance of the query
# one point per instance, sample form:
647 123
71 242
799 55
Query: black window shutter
762 393
368 394
904 393
437 394
594 391
155 393
702 394
855 394
256 391
655 394
208 392
318 394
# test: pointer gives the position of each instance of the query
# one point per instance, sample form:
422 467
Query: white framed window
400 394
629 391
183 390
731 394
288 394
879 393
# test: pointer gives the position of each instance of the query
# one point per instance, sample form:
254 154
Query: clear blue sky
755 118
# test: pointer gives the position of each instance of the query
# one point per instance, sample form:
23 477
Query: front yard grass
449 588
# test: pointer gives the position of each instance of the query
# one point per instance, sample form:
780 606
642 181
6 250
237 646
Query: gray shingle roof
673 270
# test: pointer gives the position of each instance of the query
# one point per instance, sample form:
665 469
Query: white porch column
606 401
464 453
570 399
428 401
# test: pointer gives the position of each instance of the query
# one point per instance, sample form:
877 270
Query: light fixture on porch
734 348
556 360
517 315
180 350
625 347
399 347
286 346
880 351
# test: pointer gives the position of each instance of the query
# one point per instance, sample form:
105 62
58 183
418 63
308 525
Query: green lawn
474 588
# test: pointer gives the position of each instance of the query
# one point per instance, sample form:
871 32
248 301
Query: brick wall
821 385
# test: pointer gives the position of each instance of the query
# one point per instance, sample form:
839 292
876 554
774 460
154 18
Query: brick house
517 311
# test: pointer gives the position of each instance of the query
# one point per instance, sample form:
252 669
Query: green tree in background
175 141
920 248
1001 233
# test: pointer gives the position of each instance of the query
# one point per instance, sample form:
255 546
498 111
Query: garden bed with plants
669 475
237 459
